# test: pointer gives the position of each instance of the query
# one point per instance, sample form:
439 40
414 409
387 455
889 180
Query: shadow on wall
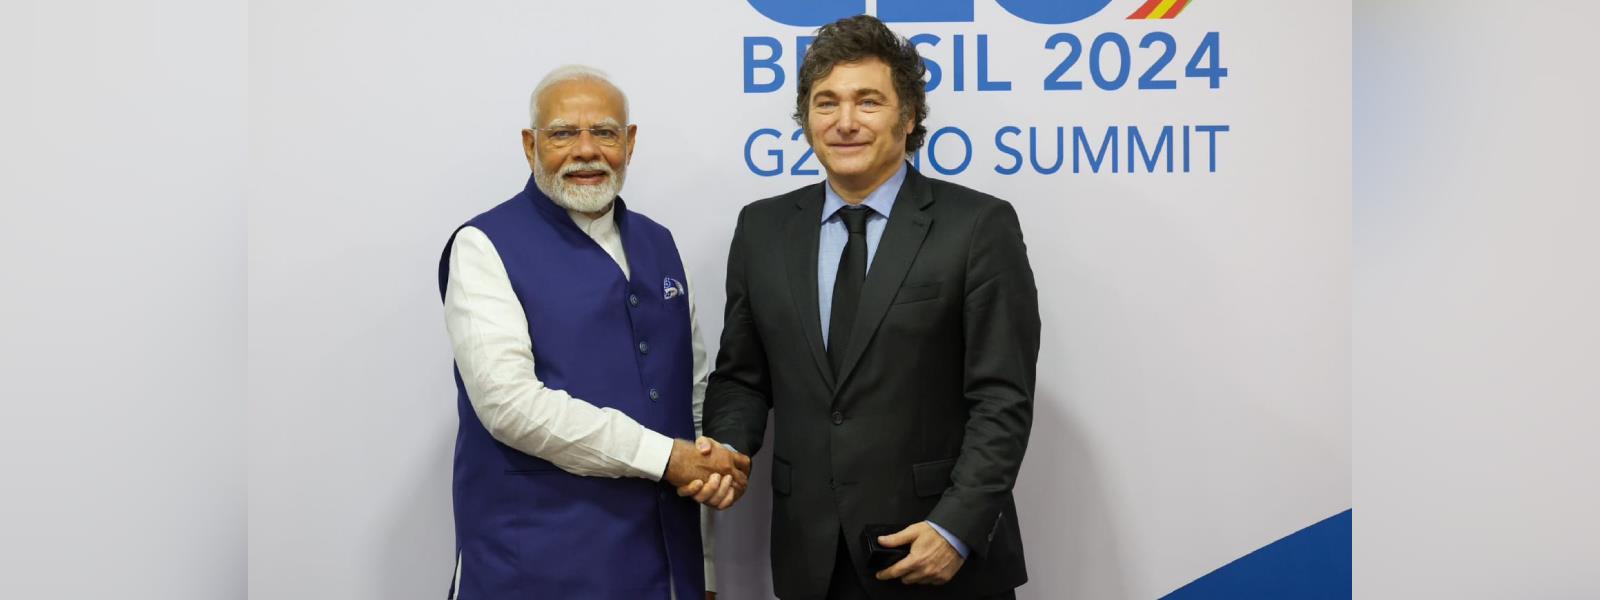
743 552
417 559
1067 525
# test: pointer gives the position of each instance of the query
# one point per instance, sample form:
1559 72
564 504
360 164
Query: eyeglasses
561 137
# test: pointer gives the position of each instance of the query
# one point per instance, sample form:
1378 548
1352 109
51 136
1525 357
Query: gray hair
571 73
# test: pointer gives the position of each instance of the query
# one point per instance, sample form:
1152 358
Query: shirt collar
598 226
881 200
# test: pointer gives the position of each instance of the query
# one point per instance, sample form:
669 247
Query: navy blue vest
526 529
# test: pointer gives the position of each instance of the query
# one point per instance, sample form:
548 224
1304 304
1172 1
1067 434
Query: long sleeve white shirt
494 352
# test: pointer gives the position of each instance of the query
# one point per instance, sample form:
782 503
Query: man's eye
605 134
563 134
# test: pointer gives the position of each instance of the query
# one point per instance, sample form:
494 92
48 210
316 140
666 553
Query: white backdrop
1193 399
1476 330
122 317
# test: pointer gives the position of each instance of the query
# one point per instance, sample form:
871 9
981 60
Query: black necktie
847 284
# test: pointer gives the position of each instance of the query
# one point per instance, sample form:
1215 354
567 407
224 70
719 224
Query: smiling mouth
585 177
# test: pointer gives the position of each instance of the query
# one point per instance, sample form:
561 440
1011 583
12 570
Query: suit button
633 300
644 348
838 418
654 395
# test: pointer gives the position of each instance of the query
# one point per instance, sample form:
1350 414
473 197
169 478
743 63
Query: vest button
654 395
838 418
633 300
644 348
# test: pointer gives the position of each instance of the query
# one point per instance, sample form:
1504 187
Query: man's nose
585 148
847 123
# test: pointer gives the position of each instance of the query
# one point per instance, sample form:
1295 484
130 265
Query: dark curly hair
857 38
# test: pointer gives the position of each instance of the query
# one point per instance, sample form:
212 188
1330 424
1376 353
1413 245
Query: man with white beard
579 376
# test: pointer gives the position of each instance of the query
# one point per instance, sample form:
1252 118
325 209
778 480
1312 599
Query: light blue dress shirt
830 246
834 236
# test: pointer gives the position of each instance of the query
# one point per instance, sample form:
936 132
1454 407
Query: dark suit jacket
927 419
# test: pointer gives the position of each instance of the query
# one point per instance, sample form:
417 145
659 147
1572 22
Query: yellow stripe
1161 10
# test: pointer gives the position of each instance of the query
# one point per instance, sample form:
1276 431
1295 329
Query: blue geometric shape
1310 564
1053 12
925 11
808 13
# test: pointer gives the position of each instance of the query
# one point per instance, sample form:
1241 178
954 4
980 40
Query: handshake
708 471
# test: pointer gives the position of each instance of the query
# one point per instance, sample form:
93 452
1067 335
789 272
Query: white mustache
588 166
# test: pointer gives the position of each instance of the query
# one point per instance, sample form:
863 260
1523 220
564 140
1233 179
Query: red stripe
1176 8
1144 11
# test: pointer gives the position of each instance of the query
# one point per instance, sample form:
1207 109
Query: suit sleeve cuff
950 537
651 459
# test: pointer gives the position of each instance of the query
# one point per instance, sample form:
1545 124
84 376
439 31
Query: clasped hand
708 471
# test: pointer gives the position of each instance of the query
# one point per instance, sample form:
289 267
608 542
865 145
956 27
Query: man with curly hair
891 324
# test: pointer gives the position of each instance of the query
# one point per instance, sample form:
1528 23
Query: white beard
588 199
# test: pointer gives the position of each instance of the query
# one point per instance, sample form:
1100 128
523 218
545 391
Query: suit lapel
902 239
800 245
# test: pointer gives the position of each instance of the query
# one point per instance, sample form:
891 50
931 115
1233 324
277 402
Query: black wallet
879 557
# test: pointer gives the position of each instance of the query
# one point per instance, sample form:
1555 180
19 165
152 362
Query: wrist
676 461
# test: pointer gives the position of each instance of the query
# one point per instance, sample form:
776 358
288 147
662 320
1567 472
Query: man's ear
528 140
